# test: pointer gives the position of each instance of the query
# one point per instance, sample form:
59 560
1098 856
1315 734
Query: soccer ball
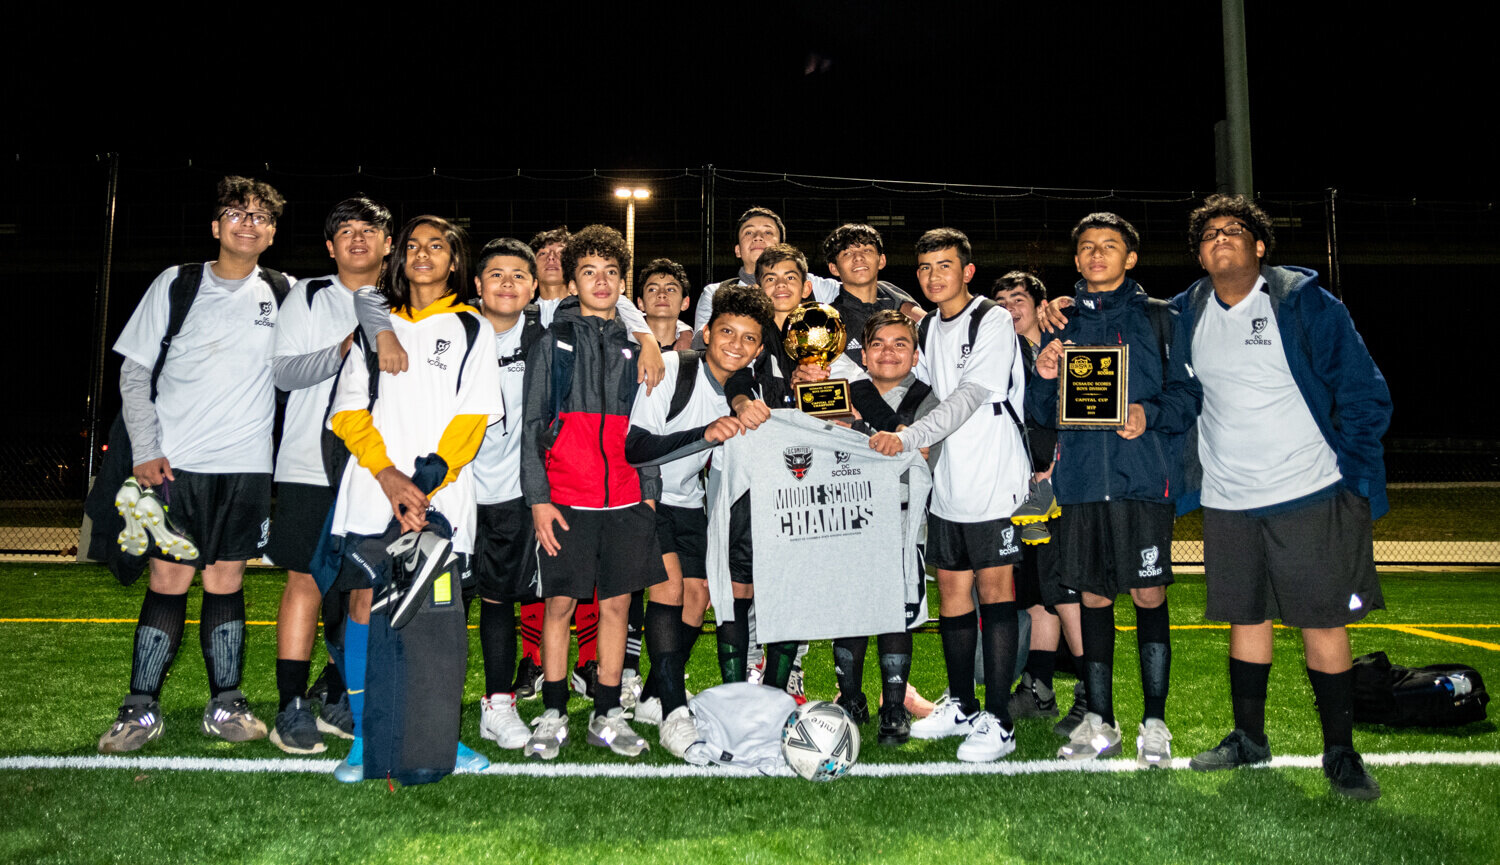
820 741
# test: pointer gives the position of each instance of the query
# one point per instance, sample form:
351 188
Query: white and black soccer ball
820 741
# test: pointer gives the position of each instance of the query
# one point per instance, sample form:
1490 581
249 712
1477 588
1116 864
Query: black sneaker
1070 721
419 558
296 732
1032 699
857 706
1346 773
1235 751
528 684
895 724
585 678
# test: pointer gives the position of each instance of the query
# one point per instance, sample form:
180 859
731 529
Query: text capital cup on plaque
1093 387
816 335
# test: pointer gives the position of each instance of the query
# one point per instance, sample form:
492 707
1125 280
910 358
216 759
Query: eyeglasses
1233 229
258 218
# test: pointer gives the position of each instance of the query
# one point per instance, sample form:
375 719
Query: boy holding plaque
1116 485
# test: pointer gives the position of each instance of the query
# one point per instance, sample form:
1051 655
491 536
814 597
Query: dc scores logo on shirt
1258 327
798 460
1149 567
842 468
437 352
963 356
265 315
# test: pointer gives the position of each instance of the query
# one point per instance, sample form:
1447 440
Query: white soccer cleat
499 722
989 740
153 516
133 539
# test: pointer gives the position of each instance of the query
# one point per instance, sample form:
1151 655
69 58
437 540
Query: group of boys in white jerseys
594 492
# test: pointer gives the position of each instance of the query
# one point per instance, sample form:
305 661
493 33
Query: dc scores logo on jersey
265 315
1149 567
1258 327
963 356
798 461
841 468
437 352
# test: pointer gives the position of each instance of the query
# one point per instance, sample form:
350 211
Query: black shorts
614 552
684 531
228 516
505 552
1109 548
1038 577
297 525
953 546
1313 567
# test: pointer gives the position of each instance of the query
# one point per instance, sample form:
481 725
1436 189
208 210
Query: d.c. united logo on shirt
798 460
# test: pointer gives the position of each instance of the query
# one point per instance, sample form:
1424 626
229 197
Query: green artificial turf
62 682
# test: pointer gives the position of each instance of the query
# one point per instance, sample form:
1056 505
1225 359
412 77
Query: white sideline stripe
625 770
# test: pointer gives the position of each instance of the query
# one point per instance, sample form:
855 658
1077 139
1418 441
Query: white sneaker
1091 740
550 736
989 740
630 689
499 722
1153 744
613 731
678 732
947 719
648 711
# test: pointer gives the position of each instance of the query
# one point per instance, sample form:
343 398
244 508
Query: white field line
625 770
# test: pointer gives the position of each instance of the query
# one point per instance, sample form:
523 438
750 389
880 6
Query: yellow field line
1447 638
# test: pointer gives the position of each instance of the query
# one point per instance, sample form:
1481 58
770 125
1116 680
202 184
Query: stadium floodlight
631 194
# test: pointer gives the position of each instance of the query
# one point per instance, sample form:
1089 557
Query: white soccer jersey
497 467
215 398
633 319
301 329
1258 443
411 412
982 471
679 478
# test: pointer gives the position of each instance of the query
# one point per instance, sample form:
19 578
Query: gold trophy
816 335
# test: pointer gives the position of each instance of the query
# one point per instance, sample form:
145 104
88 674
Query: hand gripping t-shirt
835 554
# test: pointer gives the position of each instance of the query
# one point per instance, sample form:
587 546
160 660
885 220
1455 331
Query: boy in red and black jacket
593 525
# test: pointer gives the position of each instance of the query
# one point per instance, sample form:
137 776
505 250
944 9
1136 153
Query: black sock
1099 659
895 666
635 628
291 680
663 628
555 695
158 634
1247 692
1334 693
1039 664
734 642
221 634
606 698
960 637
999 634
689 639
497 642
1153 637
849 664
779 660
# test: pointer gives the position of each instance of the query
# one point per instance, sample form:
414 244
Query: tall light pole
631 194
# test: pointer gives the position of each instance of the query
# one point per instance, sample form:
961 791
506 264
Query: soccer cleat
1070 721
1093 739
351 769
228 716
133 539
857 706
1032 699
989 740
153 517
550 735
1153 744
678 732
1040 505
337 719
947 719
469 760
630 689
648 711
499 722
1235 751
528 684
796 686
419 558
296 732
895 725
1036 533
138 722
1346 774
613 731
585 678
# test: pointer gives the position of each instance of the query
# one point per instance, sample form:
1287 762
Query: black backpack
1438 695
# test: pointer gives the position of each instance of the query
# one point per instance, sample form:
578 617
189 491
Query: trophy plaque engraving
1092 387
